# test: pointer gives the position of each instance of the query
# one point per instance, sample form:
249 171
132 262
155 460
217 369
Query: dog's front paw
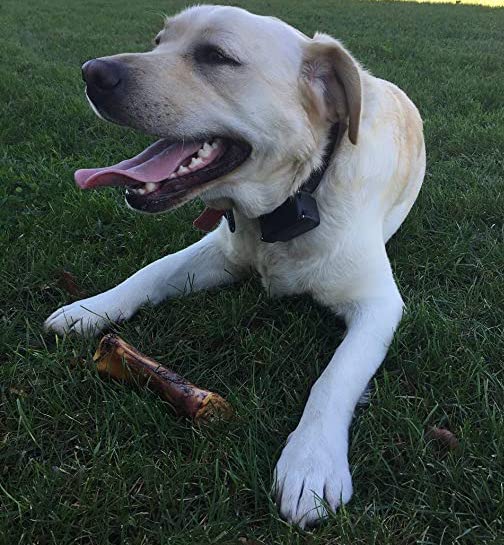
311 475
86 317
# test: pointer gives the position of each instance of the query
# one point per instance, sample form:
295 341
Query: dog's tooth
141 191
183 170
195 162
150 187
216 143
174 175
205 151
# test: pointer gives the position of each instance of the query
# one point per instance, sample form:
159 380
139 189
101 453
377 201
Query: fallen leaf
443 436
68 283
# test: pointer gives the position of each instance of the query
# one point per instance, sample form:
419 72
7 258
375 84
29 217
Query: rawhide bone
117 359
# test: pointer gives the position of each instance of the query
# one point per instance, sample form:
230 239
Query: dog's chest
284 270
295 267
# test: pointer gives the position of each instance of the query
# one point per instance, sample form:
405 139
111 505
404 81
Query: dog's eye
209 54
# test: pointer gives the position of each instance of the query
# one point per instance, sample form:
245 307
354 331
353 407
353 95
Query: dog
248 109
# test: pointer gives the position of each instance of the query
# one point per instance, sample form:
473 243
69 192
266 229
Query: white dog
248 109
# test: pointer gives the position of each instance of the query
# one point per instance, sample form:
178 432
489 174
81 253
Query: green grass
90 462
487 3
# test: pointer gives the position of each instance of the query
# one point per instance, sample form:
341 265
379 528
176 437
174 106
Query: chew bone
119 360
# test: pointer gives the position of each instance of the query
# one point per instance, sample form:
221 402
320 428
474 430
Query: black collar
316 175
299 213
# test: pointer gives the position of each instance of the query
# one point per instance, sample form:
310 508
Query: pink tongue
154 164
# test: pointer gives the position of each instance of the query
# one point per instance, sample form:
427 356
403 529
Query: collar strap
208 219
297 215
335 134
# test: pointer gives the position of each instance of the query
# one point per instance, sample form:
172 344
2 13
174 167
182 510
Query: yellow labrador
247 110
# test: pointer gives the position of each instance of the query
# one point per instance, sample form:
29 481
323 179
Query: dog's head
242 103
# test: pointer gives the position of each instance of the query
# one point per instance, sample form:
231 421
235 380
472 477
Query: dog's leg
313 467
200 266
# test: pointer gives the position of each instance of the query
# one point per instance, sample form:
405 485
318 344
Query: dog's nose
103 75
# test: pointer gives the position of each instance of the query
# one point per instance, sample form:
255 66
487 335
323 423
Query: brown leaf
68 283
443 436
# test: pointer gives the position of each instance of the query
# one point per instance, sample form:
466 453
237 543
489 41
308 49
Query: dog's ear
331 83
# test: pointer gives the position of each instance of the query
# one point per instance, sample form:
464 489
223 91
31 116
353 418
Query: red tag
208 219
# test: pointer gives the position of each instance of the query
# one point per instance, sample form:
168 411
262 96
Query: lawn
488 3
90 462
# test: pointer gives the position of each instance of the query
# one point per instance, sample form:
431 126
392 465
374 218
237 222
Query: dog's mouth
168 174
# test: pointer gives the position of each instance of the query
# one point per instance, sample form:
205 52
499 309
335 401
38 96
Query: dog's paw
85 317
311 476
